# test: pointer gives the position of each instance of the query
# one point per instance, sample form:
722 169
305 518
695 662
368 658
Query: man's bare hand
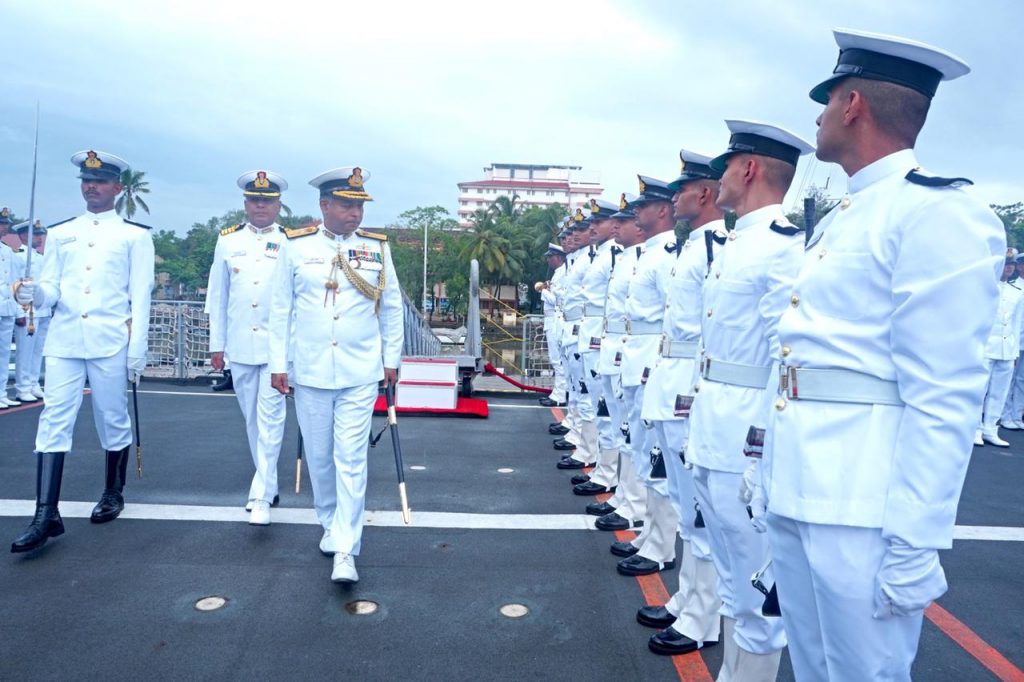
217 361
390 376
280 382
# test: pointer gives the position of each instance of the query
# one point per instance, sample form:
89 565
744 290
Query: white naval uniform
238 303
29 348
1001 350
552 332
341 345
9 308
881 280
695 603
572 317
600 433
1014 407
645 310
749 286
97 274
630 499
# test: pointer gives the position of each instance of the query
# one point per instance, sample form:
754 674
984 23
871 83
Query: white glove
752 495
25 293
135 368
908 581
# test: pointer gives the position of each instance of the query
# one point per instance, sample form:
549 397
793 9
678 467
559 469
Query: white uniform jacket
339 339
901 285
98 275
553 300
572 296
238 294
9 274
750 285
614 338
645 308
1004 338
37 269
594 289
683 285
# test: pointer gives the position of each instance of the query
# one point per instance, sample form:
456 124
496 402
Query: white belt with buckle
573 314
837 386
593 310
735 373
678 349
641 328
615 326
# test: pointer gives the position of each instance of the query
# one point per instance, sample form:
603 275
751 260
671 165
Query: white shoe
11 402
993 438
37 392
344 569
1012 425
248 505
3 405
323 544
260 513
27 397
977 438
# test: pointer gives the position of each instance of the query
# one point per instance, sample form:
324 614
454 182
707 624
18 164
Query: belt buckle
629 326
661 345
705 365
790 380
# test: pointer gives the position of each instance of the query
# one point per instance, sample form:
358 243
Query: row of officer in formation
776 397
28 333
317 307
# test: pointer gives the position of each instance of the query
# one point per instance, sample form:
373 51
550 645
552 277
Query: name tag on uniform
313 261
618 358
683 405
595 343
754 447
236 254
66 240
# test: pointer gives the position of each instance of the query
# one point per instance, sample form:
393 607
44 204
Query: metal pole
424 304
182 373
526 372
810 217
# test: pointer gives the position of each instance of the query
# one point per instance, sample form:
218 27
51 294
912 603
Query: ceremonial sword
138 429
392 423
31 227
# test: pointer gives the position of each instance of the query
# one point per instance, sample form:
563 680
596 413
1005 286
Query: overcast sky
424 95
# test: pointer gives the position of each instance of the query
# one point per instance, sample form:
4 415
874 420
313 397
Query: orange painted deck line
970 642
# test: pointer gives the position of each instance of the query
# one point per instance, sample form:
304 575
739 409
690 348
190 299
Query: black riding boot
111 502
47 522
225 384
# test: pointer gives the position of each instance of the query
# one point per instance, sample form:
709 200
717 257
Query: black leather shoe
557 430
225 384
599 508
655 617
638 565
563 444
591 488
615 522
111 503
668 642
46 523
625 549
570 463
579 478
547 402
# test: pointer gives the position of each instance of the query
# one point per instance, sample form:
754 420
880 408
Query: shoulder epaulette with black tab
132 222
1014 286
233 228
786 229
674 247
66 220
294 232
719 238
372 235
919 178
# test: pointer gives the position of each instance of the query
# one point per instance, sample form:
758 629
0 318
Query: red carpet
464 407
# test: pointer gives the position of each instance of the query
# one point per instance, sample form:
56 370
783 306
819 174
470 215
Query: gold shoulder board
294 232
233 228
372 235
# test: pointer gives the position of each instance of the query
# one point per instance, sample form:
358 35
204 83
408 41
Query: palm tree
133 185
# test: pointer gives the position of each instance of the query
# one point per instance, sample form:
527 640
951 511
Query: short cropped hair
898 111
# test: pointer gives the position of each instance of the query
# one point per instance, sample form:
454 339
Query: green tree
130 200
1012 216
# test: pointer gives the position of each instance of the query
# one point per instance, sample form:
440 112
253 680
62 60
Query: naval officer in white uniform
9 308
336 302
1001 352
238 303
98 276
29 347
879 395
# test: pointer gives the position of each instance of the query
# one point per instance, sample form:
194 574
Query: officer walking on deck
878 395
336 302
29 347
98 275
238 303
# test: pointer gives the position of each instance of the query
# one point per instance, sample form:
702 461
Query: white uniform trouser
65 380
335 426
1014 407
583 409
264 410
738 552
555 358
1000 375
6 334
630 499
606 471
657 540
826 581
695 604
29 355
